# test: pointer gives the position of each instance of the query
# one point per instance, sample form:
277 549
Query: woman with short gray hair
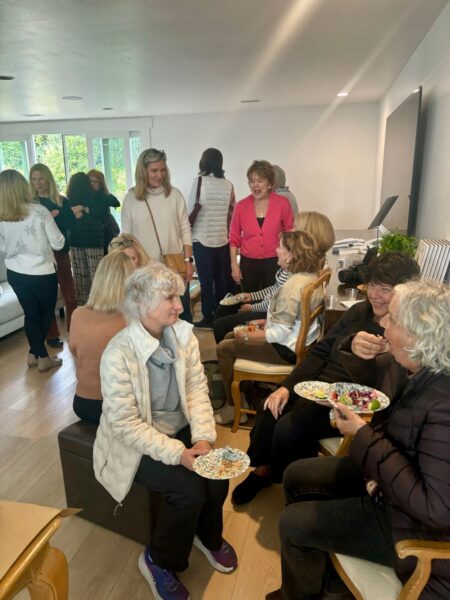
156 419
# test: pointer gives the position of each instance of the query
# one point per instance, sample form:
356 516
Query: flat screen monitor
402 164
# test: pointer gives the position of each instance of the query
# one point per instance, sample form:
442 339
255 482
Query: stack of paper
433 257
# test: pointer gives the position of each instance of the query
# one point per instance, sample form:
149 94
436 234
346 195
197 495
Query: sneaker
247 489
225 415
206 324
48 362
55 342
223 560
32 360
164 584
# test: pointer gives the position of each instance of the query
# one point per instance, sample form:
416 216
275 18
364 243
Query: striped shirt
265 295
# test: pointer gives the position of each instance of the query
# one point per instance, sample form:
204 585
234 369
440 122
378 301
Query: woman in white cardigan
28 236
156 419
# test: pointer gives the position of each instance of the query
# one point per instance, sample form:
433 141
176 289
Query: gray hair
424 312
146 287
280 177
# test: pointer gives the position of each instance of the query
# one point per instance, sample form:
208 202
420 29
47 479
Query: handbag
197 206
173 261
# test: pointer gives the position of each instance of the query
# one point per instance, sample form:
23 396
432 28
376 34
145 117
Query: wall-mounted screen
402 163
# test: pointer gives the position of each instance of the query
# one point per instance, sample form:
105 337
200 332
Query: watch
188 259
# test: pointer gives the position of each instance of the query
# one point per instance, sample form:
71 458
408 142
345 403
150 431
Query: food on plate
360 398
222 463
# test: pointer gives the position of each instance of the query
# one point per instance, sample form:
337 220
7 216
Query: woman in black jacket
87 233
402 459
44 190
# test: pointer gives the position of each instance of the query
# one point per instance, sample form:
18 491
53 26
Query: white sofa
11 313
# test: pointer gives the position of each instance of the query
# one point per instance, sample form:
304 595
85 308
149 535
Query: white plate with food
360 398
231 300
222 463
317 391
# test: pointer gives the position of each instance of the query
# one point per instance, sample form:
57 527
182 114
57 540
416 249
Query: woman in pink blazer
255 229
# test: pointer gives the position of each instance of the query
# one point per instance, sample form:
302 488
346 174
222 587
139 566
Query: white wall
429 67
329 155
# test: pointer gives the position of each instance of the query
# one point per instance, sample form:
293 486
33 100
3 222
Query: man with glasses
155 212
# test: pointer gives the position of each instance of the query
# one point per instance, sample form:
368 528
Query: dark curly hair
392 268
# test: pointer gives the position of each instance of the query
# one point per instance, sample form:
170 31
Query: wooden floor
103 565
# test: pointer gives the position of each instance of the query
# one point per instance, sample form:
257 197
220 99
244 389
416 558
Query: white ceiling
151 57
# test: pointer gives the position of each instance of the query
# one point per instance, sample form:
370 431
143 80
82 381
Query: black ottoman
132 520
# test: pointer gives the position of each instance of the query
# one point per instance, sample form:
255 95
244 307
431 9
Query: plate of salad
360 398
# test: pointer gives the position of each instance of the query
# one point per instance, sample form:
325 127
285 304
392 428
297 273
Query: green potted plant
397 242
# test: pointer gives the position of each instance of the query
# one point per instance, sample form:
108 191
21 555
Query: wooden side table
38 566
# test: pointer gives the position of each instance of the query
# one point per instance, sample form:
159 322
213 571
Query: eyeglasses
125 243
153 155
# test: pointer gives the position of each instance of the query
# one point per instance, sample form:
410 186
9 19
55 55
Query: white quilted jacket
125 432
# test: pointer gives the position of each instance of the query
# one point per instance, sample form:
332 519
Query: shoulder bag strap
154 227
199 185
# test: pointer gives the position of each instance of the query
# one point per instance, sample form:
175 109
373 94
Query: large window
76 154
109 157
49 150
135 150
13 155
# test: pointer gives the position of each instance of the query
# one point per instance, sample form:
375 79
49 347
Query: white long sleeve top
28 244
171 220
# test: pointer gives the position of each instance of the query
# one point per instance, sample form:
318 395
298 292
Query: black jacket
407 451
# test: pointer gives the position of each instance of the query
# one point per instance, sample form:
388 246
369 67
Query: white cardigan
125 432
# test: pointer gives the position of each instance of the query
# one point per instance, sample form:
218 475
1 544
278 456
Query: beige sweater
171 220
90 332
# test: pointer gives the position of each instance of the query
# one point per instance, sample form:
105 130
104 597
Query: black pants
213 268
186 315
294 435
87 410
227 317
258 273
37 296
191 505
328 511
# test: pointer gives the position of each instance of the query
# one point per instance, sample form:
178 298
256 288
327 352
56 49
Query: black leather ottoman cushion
78 438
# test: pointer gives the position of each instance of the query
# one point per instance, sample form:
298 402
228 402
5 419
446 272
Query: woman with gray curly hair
156 419
394 485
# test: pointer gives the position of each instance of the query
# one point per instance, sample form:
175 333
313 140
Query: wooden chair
335 446
249 370
369 581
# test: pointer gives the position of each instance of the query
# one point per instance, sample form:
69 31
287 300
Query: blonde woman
132 247
44 191
154 196
93 326
28 234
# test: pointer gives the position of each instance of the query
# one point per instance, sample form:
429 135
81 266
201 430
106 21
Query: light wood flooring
34 407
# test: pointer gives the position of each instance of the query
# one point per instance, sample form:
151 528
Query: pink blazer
253 240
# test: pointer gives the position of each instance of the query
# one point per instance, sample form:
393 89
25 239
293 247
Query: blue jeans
214 273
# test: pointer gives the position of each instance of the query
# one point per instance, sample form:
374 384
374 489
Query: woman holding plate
156 419
288 427
402 460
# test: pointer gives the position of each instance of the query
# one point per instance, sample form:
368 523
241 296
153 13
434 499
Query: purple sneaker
223 560
164 584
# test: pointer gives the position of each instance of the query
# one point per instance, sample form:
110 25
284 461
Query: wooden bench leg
50 578
236 395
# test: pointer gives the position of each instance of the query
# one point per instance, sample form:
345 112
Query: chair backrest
308 316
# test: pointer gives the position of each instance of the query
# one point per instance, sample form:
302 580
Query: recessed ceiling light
250 101
33 115
72 97
6 77
108 108
343 94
